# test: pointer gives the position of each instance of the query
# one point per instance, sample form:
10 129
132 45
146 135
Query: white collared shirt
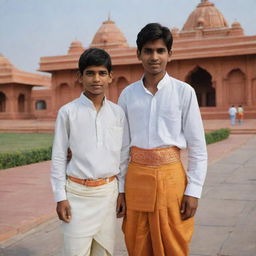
171 117
95 139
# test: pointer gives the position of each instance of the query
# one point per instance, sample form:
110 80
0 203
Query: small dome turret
76 47
109 36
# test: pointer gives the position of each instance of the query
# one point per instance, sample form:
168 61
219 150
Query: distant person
85 187
232 115
163 118
240 114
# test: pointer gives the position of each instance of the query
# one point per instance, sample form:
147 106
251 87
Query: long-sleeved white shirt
95 139
232 111
171 117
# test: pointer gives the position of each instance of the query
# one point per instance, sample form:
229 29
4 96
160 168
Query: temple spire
109 16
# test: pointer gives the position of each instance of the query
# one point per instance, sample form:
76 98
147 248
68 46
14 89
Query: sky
30 29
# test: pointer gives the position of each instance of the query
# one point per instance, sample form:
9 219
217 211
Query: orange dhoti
153 224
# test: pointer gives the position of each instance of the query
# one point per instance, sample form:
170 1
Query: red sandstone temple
218 60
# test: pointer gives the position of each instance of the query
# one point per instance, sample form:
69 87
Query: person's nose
96 77
154 56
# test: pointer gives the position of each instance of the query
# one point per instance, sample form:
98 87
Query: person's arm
59 165
124 159
197 154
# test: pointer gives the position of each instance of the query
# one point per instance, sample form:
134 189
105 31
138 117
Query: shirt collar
160 85
85 100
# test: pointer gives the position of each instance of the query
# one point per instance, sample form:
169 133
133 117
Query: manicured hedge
8 160
218 135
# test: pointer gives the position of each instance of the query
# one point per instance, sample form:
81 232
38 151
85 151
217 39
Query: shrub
8 160
218 135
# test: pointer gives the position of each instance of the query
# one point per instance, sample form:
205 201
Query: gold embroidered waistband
156 156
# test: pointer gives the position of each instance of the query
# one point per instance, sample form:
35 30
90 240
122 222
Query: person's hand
120 205
188 207
64 211
69 154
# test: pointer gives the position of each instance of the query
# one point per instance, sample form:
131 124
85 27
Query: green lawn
10 142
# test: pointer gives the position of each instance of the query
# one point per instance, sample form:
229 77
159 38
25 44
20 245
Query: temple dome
236 29
76 47
236 24
109 36
175 32
206 16
4 62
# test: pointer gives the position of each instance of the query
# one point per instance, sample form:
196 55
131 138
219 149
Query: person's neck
151 81
97 100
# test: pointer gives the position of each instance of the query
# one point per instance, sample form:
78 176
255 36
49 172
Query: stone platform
47 126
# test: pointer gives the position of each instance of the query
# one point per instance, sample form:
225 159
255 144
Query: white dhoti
91 230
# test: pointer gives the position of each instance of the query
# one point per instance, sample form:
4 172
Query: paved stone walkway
225 222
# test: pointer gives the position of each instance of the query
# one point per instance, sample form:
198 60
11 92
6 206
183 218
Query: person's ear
169 55
79 77
138 54
110 77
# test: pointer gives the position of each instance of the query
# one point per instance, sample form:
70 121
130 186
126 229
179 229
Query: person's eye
161 50
89 73
103 73
147 51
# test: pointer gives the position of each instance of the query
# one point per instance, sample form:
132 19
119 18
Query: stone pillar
218 84
248 91
219 92
225 96
12 104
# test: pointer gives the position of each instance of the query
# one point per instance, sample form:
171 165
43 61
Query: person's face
154 56
95 79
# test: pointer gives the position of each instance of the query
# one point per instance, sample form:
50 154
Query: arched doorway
201 81
21 103
236 87
2 102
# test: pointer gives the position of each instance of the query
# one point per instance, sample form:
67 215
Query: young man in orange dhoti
163 117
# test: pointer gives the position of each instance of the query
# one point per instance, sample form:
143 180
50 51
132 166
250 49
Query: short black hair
154 31
94 57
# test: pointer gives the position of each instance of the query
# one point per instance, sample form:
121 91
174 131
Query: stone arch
236 86
201 80
2 102
121 83
21 103
63 94
40 105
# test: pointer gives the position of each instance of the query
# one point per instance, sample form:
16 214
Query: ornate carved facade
218 60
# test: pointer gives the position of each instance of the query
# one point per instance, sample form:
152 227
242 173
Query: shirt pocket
114 138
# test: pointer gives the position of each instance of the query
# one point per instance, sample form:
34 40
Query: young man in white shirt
232 114
86 187
163 117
